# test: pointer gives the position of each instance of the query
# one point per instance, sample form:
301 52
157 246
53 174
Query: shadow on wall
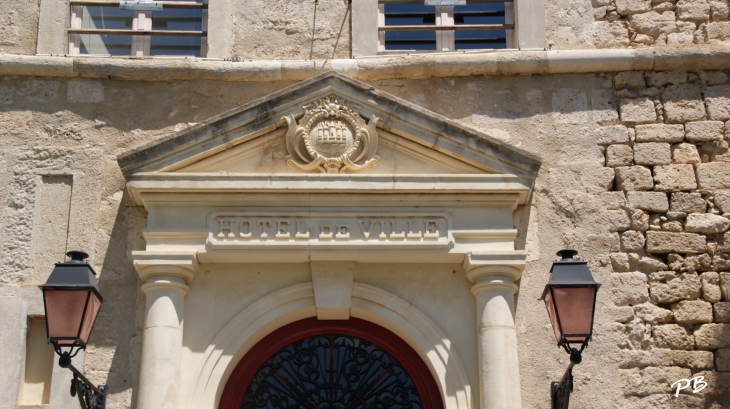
119 325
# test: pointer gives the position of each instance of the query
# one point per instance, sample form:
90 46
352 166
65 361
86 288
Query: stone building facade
605 129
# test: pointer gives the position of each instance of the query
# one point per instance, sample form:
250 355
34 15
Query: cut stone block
660 133
667 242
704 131
652 153
714 175
634 178
671 178
668 287
655 202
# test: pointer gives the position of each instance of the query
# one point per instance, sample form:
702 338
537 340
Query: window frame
141 21
368 40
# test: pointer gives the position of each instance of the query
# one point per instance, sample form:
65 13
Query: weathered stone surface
607 135
718 11
713 77
632 241
718 384
697 10
639 220
712 336
725 286
722 359
685 153
634 178
706 223
704 131
619 155
630 79
628 288
621 314
711 286
722 201
662 78
683 103
617 220
637 111
653 24
668 287
651 264
620 263
715 175
671 178
652 153
625 7
653 314
638 334
651 380
687 203
718 98
655 202
721 312
690 312
685 359
673 336
669 401
612 200
659 133
666 242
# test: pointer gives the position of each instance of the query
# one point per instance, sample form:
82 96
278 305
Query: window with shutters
162 28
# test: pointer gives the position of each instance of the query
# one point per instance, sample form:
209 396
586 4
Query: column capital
180 264
494 263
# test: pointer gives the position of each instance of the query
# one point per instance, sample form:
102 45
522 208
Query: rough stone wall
637 23
671 214
18 26
282 29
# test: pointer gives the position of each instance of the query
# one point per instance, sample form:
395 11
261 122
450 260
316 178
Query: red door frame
375 334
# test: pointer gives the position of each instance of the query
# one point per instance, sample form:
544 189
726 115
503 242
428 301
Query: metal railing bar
460 27
165 4
138 32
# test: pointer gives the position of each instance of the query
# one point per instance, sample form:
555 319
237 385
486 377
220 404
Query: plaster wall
580 200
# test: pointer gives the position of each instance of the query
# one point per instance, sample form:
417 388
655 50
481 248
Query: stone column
493 275
166 276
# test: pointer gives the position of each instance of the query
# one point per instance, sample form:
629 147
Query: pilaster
166 275
494 275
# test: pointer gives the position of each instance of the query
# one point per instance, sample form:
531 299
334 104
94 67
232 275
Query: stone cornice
373 68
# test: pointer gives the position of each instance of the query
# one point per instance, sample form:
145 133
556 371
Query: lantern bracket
90 396
560 391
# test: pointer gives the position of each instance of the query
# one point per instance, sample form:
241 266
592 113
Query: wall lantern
570 298
72 300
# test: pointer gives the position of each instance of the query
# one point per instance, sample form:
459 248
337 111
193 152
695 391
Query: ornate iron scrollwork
331 372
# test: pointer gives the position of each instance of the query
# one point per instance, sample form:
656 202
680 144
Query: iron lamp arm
90 396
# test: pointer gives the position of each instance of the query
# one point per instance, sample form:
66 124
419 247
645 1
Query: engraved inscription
376 229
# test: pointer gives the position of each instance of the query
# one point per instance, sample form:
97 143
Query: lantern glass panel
551 312
92 309
575 310
64 313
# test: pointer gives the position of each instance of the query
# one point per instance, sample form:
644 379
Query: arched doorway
315 364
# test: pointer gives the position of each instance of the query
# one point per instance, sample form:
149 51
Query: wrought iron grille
331 372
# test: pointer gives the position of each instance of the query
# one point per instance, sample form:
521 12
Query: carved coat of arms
331 137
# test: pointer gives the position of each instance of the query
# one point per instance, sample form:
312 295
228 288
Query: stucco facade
175 175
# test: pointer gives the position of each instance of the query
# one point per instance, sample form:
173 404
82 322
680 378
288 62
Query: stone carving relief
331 137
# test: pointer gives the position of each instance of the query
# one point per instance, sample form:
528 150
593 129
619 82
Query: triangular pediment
258 138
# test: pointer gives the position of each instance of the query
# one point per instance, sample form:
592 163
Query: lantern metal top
569 272
74 274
